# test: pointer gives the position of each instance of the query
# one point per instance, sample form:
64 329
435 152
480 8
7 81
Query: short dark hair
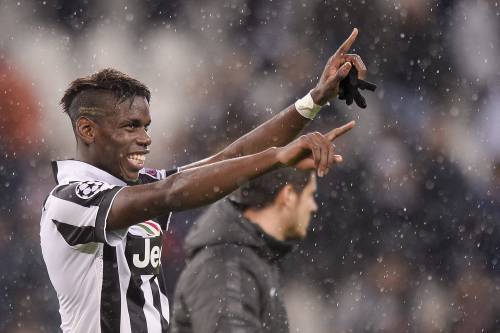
90 95
261 192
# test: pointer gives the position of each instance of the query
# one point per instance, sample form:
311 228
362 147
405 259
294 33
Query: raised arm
205 184
286 125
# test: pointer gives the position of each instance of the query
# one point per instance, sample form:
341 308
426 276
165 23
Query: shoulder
84 193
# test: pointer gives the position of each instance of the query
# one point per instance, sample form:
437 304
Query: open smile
137 160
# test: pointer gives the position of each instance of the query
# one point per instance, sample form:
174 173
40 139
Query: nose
144 139
314 207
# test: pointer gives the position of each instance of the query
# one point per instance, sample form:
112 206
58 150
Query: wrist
306 107
267 158
275 153
318 96
280 158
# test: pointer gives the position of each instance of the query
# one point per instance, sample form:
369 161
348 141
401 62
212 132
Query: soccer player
101 226
231 280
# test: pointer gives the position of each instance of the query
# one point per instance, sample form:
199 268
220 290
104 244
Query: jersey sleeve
80 210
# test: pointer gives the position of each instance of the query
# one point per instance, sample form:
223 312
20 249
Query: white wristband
306 106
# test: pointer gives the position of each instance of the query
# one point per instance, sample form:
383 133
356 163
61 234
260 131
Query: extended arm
285 126
187 189
205 184
277 131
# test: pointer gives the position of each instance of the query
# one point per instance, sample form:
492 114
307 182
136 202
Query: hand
313 150
337 68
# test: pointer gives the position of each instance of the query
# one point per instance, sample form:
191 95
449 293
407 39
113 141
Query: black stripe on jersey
55 171
102 212
170 172
74 235
157 303
110 295
68 193
135 303
162 283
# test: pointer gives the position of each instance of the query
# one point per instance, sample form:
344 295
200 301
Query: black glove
349 88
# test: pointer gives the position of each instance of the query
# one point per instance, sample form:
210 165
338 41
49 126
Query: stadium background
407 237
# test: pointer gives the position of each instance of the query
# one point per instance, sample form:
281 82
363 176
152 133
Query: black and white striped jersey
106 280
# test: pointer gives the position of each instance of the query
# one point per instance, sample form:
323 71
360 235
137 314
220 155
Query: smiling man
102 225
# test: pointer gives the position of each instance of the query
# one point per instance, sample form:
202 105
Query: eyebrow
135 121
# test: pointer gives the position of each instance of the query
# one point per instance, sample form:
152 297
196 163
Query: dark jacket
231 281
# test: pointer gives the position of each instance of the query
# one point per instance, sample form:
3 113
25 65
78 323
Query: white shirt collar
70 170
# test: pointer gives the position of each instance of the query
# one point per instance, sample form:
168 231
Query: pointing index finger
344 48
336 132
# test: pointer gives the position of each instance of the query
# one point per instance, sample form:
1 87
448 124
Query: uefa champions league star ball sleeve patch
86 190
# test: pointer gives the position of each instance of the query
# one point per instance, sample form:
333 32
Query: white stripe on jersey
153 319
65 211
124 275
165 308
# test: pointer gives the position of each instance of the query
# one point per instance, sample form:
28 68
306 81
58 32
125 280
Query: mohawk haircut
90 96
261 192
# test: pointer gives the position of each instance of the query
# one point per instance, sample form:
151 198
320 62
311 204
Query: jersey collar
66 171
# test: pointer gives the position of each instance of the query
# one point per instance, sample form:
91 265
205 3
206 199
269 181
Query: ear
85 130
286 197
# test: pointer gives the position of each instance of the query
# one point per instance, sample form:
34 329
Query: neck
82 154
268 219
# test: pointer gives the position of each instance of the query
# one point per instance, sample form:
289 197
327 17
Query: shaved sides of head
91 103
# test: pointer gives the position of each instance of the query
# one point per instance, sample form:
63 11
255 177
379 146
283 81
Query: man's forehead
138 101
137 106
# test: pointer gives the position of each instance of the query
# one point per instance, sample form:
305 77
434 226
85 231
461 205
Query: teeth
137 157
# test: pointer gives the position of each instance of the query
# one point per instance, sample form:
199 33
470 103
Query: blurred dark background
407 237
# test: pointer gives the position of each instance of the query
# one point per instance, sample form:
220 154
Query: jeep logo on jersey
144 254
88 189
151 256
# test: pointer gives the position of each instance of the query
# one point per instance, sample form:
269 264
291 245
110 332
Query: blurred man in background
231 282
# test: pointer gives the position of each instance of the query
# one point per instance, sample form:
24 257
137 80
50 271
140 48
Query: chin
130 176
296 237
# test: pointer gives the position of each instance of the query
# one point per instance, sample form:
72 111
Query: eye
130 125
